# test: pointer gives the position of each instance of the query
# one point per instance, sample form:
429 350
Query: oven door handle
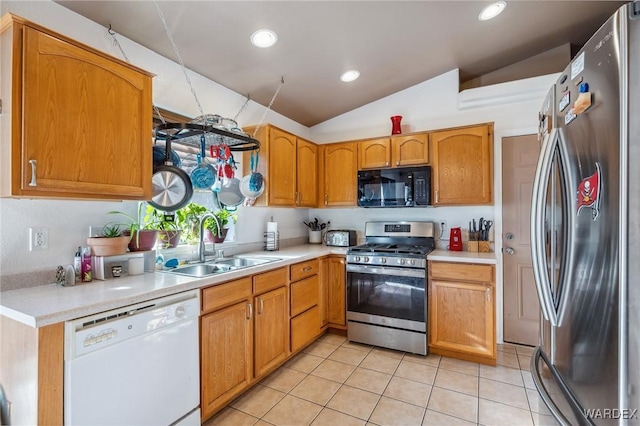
397 272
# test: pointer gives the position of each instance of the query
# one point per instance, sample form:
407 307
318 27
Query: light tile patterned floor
334 382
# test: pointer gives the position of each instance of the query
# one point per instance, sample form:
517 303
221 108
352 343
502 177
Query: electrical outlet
38 239
443 230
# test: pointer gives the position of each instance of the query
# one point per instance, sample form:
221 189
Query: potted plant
142 232
188 219
165 223
212 232
110 242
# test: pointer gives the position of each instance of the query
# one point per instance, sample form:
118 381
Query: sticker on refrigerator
569 116
588 195
577 66
564 101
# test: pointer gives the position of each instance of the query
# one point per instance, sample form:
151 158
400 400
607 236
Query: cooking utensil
487 226
203 176
171 185
257 181
159 157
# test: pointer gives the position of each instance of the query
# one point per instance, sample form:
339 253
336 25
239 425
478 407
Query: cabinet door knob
397 163
488 292
261 310
436 196
249 311
33 163
326 199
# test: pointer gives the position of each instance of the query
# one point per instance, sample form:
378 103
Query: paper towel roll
272 227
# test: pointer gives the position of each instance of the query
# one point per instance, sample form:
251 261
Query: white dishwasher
136 365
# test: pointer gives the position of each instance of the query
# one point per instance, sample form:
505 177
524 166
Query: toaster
340 238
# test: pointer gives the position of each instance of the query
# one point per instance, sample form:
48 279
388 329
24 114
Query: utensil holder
484 246
472 246
315 237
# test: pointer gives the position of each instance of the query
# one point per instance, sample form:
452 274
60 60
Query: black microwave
401 187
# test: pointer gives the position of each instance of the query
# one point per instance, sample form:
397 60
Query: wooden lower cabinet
226 355
462 311
336 292
32 371
305 299
243 335
271 336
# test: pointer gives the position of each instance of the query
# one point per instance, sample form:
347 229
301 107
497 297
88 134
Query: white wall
68 221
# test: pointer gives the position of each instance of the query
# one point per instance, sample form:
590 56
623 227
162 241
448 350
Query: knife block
484 246
472 246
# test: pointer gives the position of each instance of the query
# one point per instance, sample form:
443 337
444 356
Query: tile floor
335 382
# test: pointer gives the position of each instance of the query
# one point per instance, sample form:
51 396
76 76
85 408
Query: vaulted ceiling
394 44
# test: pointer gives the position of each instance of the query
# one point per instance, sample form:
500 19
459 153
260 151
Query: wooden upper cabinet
339 174
282 168
397 151
307 174
412 150
462 161
289 165
374 154
78 121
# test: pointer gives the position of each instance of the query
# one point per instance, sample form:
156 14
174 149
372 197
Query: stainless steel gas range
386 286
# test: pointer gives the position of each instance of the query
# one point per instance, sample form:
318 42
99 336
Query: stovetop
384 249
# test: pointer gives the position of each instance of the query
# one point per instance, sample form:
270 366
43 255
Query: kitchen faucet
202 252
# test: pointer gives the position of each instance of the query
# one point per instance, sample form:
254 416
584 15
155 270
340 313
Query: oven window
387 296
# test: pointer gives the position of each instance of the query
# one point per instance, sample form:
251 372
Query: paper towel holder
272 241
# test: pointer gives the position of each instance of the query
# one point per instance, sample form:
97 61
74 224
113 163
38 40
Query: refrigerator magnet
584 99
588 194
569 117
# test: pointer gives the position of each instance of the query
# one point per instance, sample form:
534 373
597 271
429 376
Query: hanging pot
172 188
203 176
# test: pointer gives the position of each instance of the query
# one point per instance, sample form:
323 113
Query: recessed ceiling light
350 75
264 38
493 10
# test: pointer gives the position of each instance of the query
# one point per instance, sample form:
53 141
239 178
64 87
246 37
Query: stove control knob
383 260
366 259
357 258
401 261
413 261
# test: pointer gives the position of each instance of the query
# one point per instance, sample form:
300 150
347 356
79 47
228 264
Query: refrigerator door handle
540 184
542 391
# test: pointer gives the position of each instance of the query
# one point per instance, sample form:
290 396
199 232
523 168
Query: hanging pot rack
189 134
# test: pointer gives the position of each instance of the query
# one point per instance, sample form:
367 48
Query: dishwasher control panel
85 335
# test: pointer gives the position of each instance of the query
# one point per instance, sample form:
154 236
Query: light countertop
462 256
49 304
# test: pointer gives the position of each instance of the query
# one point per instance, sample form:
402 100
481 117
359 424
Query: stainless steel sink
244 262
201 270
219 266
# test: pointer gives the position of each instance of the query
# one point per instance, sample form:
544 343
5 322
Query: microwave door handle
538 204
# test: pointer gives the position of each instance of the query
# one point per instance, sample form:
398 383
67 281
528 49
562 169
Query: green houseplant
110 242
166 225
188 219
224 217
141 229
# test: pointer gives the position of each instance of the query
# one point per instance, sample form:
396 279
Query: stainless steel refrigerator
585 232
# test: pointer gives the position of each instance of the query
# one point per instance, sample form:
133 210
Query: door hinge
0 106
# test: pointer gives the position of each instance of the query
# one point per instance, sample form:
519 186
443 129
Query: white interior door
521 306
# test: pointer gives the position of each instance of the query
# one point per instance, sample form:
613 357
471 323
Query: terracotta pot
210 238
168 239
143 240
105 246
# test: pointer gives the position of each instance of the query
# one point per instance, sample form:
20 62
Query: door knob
509 250
510 236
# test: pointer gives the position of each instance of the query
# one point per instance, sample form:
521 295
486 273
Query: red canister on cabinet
455 239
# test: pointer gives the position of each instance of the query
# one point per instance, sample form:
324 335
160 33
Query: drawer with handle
304 269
